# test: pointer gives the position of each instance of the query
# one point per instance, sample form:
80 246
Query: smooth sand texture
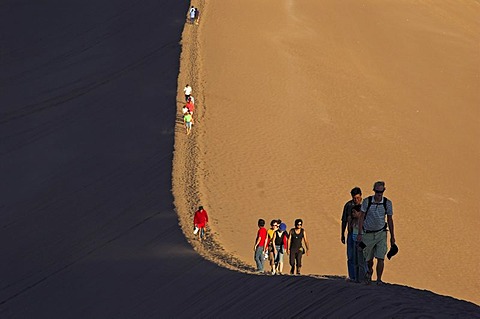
88 225
299 101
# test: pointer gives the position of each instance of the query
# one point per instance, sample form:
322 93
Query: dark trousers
296 257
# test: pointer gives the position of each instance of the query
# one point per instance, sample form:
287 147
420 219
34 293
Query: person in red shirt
200 221
190 106
260 245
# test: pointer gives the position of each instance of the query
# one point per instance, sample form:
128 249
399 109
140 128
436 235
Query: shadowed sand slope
303 100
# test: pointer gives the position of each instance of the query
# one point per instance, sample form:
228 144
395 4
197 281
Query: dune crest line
188 170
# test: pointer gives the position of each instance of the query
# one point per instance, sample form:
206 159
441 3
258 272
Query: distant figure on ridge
188 121
260 245
356 193
190 106
191 15
188 91
200 221
373 229
295 248
197 16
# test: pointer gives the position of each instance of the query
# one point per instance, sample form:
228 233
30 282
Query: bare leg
272 262
380 266
369 271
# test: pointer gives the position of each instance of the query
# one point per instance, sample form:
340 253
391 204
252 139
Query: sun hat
392 252
283 227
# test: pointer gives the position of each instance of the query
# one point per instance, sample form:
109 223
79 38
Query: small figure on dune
190 106
188 91
191 14
197 16
184 110
188 121
200 221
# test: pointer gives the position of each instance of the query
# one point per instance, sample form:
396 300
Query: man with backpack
373 229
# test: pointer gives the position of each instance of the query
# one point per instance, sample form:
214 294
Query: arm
273 242
392 231
307 247
289 241
360 227
257 242
344 224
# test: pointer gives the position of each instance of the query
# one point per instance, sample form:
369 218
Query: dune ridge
200 178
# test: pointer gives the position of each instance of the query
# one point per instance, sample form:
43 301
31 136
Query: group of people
188 109
193 15
273 243
364 220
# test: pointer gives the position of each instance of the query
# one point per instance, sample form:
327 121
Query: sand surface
88 223
299 101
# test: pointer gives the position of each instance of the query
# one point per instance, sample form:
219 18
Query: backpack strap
370 200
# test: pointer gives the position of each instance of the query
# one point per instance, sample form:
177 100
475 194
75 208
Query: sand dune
89 229
301 101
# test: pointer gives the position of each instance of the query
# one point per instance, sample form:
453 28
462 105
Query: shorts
188 124
376 245
279 256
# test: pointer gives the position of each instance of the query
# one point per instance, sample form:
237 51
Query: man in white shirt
188 91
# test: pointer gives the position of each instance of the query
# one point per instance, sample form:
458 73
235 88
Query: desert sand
89 131
300 101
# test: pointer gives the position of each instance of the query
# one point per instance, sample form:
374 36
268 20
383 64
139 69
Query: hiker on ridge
295 249
373 229
356 194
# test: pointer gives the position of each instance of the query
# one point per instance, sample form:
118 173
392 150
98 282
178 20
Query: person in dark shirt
356 193
295 249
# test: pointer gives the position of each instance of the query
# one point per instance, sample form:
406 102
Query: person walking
190 106
373 229
356 194
272 252
197 16
191 14
281 244
187 90
360 266
188 121
200 221
260 245
295 249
